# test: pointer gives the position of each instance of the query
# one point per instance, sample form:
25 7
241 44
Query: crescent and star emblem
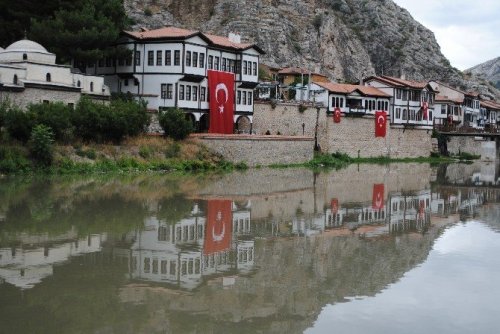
381 120
378 201
219 237
222 87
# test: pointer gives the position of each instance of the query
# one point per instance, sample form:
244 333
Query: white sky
467 31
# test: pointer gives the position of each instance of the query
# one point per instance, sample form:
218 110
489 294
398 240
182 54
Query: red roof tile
225 42
166 32
443 98
490 105
348 89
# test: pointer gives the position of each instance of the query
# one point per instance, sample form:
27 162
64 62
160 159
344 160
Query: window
170 88
210 62
202 60
231 65
151 58
188 58
237 67
177 57
405 114
181 92
245 63
249 100
163 90
216 63
203 92
159 56
188 93
138 58
249 68
155 266
168 58
244 97
398 113
238 100
195 59
405 95
91 86
128 62
48 77
398 94
147 264
195 93
120 62
224 63
164 267
108 62
15 80
254 68
25 56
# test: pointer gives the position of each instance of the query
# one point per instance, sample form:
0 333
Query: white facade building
409 99
351 99
29 74
168 68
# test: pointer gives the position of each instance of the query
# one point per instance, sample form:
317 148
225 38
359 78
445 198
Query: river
400 248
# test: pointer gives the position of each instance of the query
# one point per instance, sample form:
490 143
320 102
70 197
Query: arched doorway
204 123
243 125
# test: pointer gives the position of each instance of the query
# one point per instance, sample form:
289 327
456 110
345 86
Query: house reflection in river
183 253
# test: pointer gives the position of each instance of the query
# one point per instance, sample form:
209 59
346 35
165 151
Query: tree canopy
82 30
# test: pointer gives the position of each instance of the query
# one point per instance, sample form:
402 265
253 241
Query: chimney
234 37
403 75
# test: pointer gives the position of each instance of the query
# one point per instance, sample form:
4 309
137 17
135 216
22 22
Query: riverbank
159 154
136 154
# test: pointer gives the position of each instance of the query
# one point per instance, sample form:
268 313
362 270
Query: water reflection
261 250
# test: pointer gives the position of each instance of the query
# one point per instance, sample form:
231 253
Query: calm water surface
405 248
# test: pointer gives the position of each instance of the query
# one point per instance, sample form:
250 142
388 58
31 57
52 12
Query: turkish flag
221 90
380 123
425 108
219 228
378 196
336 115
335 206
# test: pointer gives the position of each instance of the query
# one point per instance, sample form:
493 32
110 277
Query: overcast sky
467 31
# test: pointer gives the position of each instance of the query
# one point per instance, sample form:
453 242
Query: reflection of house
168 68
174 253
28 265
351 99
29 74
412 102
409 211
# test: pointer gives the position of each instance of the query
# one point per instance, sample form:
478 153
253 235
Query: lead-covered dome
26 45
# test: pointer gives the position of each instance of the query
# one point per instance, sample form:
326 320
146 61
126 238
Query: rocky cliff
489 71
345 39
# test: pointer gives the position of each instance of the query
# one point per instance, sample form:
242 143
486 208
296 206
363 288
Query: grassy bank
136 154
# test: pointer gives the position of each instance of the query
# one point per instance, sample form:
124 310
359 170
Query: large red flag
378 196
335 206
219 227
380 123
221 90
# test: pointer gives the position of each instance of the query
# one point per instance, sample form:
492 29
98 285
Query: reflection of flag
219 226
378 196
221 90
335 206
380 123
336 115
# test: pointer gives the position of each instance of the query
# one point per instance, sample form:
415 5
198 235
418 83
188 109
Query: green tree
55 115
19 124
174 123
84 32
41 149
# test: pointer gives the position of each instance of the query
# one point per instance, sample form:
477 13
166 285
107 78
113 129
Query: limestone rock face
489 71
344 39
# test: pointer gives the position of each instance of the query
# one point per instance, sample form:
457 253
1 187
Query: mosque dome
26 45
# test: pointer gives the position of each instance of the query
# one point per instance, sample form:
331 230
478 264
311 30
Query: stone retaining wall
349 136
260 150
485 148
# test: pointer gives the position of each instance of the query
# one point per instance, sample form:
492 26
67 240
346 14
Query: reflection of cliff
296 278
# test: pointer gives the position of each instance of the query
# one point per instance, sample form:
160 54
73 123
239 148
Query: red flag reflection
219 226
378 196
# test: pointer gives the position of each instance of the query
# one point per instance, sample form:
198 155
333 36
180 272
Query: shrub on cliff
174 123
